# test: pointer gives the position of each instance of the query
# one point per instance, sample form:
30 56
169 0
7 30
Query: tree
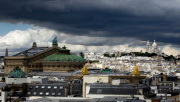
170 58
113 55
106 55
82 54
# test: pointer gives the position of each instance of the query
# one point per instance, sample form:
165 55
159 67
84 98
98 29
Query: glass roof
31 51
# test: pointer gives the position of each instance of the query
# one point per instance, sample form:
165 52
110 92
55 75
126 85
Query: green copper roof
64 49
16 73
64 57
106 70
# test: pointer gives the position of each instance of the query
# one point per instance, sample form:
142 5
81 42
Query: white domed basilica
154 48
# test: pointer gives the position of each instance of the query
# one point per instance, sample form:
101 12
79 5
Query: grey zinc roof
50 74
113 90
2 84
76 86
41 100
143 86
119 99
70 74
127 89
46 89
110 85
73 99
115 98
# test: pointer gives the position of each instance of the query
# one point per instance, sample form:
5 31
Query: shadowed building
46 59
59 90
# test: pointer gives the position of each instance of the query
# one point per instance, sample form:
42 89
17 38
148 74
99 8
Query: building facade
36 59
154 48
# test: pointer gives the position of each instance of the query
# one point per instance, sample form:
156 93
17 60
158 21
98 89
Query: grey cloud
98 41
115 20
3 44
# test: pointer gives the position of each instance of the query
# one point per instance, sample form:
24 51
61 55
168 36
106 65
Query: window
159 79
61 87
43 87
31 87
49 87
99 90
41 93
29 93
59 94
34 93
53 93
47 93
55 87
37 87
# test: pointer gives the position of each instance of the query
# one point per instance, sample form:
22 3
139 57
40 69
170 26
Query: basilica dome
154 45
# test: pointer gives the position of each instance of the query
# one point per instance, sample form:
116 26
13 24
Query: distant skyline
90 26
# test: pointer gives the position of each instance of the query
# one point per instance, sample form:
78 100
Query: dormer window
47 93
29 93
61 87
59 94
41 93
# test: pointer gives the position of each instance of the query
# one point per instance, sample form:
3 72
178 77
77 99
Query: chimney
137 88
6 54
164 77
3 96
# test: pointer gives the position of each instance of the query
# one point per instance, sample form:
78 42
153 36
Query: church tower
147 46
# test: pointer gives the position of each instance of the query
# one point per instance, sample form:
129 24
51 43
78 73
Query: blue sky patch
7 27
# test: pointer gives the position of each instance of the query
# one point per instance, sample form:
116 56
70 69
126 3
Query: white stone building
154 48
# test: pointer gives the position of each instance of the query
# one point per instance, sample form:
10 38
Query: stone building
154 48
46 59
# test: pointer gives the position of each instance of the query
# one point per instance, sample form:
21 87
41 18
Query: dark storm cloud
138 19
98 41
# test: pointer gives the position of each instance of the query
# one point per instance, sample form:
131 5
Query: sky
90 25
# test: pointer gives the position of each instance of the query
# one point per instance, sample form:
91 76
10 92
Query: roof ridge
64 57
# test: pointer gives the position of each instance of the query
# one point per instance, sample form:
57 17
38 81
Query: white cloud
73 48
168 49
3 44
23 39
98 48
17 40
128 49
